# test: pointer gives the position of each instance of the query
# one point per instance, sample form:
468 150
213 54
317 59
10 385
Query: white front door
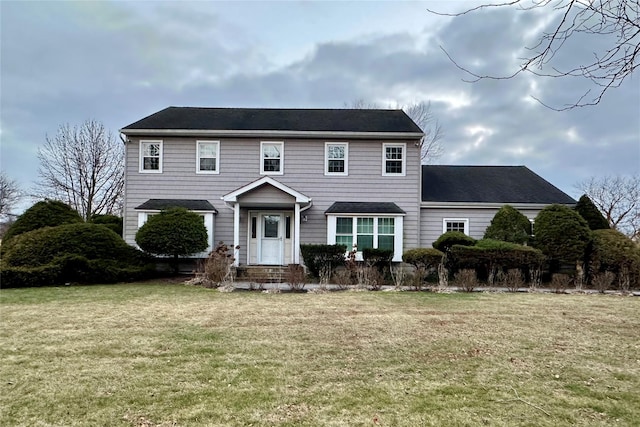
271 242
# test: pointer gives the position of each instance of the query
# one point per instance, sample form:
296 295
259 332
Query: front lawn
164 355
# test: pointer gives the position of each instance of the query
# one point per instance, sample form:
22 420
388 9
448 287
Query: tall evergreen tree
588 210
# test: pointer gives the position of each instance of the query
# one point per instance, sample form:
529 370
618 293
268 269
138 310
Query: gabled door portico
273 212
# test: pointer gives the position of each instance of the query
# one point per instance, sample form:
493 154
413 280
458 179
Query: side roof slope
276 119
488 184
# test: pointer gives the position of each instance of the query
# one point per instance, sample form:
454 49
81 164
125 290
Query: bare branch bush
513 280
83 166
218 268
602 281
295 277
617 21
398 275
343 278
466 279
443 275
560 282
325 275
535 277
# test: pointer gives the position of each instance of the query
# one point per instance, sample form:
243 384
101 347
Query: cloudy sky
119 61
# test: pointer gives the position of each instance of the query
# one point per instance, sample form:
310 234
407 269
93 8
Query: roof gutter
271 133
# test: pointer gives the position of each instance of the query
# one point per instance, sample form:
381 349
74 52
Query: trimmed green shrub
29 277
377 257
423 257
450 238
112 222
92 241
562 235
48 213
317 256
613 251
173 232
591 214
509 225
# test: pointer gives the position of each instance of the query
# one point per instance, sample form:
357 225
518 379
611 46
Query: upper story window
271 158
456 224
207 157
151 156
336 158
394 159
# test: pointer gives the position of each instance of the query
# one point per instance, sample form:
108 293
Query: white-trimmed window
394 159
271 158
151 156
208 157
336 158
456 224
380 232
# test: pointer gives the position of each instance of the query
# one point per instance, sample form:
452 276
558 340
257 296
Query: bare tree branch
420 112
10 195
618 198
83 166
608 69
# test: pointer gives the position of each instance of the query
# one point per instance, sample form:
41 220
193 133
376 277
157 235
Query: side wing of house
466 198
275 179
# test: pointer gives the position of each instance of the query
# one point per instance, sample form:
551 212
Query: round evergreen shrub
318 256
48 213
591 214
423 257
450 238
613 251
173 232
509 225
112 222
561 234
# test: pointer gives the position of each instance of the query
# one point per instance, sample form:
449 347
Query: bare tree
420 112
83 166
615 20
10 194
618 198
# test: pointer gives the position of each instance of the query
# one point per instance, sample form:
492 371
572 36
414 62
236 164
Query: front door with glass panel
271 242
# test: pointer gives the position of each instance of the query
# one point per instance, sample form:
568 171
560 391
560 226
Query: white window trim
464 220
143 216
398 225
206 172
141 157
404 158
281 144
346 159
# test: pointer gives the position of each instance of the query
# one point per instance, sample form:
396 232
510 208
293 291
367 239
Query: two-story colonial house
268 180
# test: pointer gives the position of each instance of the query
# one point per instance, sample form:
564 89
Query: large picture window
151 156
207 157
272 158
366 232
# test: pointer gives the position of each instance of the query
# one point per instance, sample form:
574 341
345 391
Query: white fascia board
272 133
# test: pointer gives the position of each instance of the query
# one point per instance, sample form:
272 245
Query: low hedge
495 253
30 277
423 257
447 240
315 256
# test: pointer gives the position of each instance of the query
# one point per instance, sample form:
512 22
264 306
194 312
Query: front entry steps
261 273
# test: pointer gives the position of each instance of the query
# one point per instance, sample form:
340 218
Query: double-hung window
271 158
394 159
365 233
336 158
344 232
151 156
208 157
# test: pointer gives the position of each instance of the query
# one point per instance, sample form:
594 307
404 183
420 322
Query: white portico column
296 234
236 234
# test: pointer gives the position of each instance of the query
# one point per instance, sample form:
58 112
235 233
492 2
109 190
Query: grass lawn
170 354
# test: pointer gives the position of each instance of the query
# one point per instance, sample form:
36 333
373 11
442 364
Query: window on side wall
271 158
207 157
456 224
394 159
151 156
336 158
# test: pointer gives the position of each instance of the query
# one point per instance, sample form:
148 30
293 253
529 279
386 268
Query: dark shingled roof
364 208
192 205
488 184
280 119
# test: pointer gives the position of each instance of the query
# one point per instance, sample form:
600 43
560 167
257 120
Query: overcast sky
119 61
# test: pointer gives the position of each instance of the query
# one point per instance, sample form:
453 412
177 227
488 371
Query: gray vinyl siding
303 172
431 220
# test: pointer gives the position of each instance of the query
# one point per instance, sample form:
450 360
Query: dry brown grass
162 355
